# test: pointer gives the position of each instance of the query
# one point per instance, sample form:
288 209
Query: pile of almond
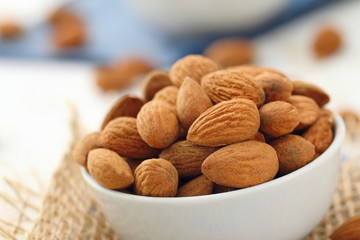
200 130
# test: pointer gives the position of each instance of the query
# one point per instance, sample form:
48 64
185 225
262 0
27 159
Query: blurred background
60 55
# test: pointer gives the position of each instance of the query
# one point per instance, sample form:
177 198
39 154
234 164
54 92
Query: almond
278 118
259 137
349 230
10 30
327 41
187 157
231 52
293 152
225 85
133 163
191 102
121 135
193 66
276 87
109 169
225 123
84 146
307 108
126 106
157 124
320 134
221 189
168 95
153 82
255 70
197 187
311 91
157 178
325 113
241 165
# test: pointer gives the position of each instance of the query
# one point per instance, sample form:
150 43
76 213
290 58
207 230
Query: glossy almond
225 123
157 124
126 106
278 118
276 87
320 134
231 51
193 66
293 152
168 95
349 230
153 82
196 187
121 135
241 165
308 109
156 177
191 102
225 85
109 169
311 91
187 157
84 146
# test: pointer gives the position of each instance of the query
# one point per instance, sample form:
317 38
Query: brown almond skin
241 165
293 152
187 157
109 169
221 189
327 42
308 109
133 163
10 30
231 51
325 113
255 70
196 187
225 85
157 124
121 135
311 91
320 135
276 87
153 82
84 146
349 230
259 137
193 66
126 106
168 95
225 123
157 178
191 102
278 118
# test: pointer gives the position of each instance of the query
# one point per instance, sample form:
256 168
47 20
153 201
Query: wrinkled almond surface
293 152
121 135
156 177
191 102
254 70
241 165
157 124
225 123
276 86
193 66
109 169
320 134
126 106
225 85
153 82
83 147
307 108
168 95
311 91
187 157
278 118
196 187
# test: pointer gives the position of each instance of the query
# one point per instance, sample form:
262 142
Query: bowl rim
335 145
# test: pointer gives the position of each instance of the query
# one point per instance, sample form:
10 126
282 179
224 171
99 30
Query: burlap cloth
69 211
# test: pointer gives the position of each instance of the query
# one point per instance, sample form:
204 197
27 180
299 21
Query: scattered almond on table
349 230
10 30
200 129
327 41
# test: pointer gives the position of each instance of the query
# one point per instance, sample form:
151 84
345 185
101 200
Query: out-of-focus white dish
207 16
282 209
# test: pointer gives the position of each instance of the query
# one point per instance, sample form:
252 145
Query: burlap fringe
69 211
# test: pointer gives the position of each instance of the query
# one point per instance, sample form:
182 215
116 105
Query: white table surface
35 96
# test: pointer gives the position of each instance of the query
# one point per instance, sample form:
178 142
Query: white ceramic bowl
282 209
207 16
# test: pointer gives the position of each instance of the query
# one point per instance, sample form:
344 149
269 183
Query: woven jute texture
69 210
